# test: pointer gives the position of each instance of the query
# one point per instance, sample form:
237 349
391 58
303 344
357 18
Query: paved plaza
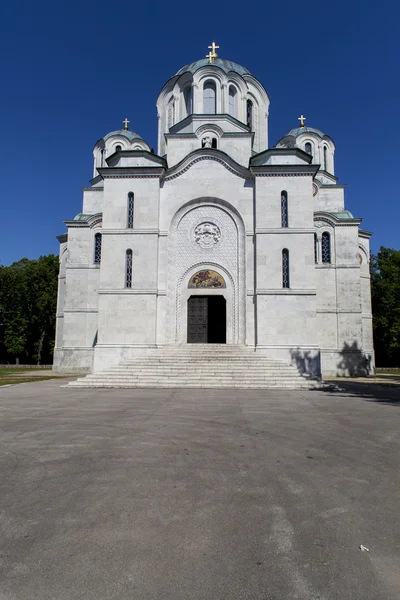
199 494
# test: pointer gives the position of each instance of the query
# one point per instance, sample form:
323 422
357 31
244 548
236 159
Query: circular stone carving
314 189
207 235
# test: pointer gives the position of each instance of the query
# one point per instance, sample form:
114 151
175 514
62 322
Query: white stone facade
216 200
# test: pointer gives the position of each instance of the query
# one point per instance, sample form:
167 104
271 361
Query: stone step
199 366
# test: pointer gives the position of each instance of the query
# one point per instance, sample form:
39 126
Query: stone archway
206 233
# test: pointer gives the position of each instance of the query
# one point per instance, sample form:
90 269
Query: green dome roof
298 130
130 135
225 65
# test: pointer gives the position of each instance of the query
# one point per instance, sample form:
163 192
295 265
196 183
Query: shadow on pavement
374 392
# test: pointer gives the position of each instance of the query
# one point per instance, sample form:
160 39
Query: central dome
225 65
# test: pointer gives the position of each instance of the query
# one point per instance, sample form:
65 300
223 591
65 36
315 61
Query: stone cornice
334 221
134 153
207 154
286 292
211 119
90 221
282 230
284 170
93 189
131 172
260 157
365 234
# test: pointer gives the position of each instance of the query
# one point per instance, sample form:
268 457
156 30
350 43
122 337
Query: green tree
385 285
28 300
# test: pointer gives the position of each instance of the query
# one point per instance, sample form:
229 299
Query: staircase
199 366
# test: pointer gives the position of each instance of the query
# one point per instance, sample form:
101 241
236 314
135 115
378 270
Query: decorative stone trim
127 291
283 230
285 292
129 231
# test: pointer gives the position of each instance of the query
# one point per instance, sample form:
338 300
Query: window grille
315 248
128 278
326 247
249 114
130 210
97 248
325 158
285 268
209 98
284 209
308 148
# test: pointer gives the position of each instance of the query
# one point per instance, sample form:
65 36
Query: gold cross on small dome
302 118
126 123
212 54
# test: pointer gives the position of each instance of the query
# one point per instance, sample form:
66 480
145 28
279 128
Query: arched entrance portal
206 320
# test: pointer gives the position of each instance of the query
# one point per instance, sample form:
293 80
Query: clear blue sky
71 71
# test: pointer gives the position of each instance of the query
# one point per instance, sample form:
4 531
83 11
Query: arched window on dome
232 101
326 247
97 249
128 269
187 94
209 98
308 148
325 158
285 268
249 114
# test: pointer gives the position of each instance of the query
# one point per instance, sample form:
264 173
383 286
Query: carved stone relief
207 235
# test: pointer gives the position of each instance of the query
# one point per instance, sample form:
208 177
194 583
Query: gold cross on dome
126 123
212 54
302 118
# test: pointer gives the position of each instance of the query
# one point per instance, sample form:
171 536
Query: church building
219 241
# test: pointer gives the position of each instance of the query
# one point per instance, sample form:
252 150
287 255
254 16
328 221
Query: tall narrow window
285 268
128 268
326 247
209 98
97 248
315 248
188 101
232 101
249 114
325 158
308 148
130 210
284 209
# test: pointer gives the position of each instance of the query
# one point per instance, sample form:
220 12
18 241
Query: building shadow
307 362
354 362
382 393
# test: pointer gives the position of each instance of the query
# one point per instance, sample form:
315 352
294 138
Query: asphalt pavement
199 494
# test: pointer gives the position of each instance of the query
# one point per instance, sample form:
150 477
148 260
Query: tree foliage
28 302
385 284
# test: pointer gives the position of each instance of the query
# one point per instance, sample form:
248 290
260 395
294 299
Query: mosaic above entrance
207 279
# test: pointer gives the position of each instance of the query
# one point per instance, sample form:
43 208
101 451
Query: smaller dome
225 65
130 135
298 130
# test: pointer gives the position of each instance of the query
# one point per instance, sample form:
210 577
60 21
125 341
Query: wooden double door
206 320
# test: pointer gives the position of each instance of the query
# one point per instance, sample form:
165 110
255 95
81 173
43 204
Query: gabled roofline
142 153
207 154
281 151
330 217
204 116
